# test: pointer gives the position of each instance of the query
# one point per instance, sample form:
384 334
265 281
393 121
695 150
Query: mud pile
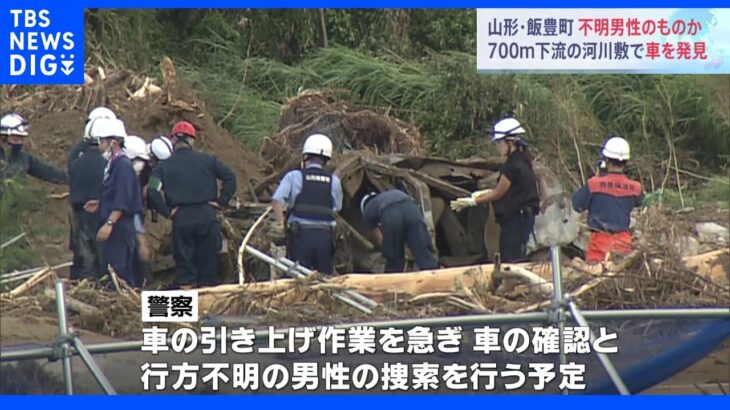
57 116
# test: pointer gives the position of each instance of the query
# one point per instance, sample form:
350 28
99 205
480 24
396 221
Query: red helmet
183 128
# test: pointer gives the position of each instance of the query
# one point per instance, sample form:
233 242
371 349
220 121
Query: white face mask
107 154
138 166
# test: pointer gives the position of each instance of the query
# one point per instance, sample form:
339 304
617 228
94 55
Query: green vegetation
419 65
17 200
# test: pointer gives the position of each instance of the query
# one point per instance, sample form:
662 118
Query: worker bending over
609 199
392 219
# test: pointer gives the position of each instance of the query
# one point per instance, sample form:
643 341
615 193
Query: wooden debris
241 267
620 267
12 240
714 266
536 282
74 304
34 280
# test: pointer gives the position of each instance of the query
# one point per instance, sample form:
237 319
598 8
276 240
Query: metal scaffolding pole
355 295
63 337
294 270
605 361
93 367
557 309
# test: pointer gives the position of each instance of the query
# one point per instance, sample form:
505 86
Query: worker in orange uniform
609 199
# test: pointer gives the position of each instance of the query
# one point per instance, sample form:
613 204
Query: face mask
138 166
107 154
16 147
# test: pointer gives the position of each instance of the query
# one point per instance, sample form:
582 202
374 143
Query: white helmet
14 124
507 127
107 128
135 147
96 113
160 148
616 148
366 199
101 112
318 144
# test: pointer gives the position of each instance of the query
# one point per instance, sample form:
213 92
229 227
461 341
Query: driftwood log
75 304
714 266
383 287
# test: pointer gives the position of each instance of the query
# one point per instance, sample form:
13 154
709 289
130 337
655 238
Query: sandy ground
711 375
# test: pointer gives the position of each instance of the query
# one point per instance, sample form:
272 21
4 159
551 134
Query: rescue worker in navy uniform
609 199
515 199
82 253
79 149
392 220
121 200
189 181
158 150
311 197
86 176
14 129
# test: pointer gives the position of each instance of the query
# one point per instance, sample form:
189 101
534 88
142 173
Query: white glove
477 194
459 204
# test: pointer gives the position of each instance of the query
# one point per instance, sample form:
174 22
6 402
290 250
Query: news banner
251 356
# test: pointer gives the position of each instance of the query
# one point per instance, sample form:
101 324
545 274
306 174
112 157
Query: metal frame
562 307
69 340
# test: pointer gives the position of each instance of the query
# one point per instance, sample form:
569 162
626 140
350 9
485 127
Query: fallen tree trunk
384 287
75 304
388 285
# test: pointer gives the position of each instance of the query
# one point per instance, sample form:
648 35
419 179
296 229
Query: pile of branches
656 276
349 127
90 306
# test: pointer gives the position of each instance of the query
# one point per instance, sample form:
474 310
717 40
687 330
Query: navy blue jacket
86 175
609 200
120 190
373 211
189 179
20 164
76 152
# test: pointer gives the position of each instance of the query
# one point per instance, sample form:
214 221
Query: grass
716 191
567 117
713 193
17 200
243 111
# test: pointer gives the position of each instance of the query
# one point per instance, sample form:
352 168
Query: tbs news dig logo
43 47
